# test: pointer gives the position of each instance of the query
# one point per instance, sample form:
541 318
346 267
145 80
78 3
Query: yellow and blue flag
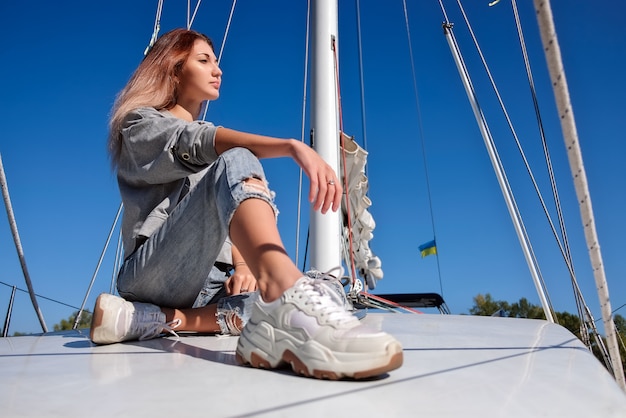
428 248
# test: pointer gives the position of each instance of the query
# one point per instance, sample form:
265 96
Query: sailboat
455 365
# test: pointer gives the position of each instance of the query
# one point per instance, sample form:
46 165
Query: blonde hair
153 82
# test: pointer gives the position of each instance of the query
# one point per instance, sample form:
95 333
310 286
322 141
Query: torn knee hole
256 185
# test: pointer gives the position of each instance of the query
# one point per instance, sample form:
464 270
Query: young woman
187 186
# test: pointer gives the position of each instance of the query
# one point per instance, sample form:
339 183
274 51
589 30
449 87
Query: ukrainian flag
428 248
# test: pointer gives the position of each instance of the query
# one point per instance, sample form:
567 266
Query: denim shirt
161 158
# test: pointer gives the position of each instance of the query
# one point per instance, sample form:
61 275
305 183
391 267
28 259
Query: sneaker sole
97 333
353 366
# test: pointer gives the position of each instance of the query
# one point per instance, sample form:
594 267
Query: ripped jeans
173 266
228 307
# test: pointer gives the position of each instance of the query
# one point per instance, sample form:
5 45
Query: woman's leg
227 316
297 320
194 319
170 268
253 230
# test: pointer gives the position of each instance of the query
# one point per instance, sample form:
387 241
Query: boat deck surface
454 366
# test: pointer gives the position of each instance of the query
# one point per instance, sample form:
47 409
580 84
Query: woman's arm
325 189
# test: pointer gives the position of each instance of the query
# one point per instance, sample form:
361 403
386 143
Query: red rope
346 191
389 302
343 156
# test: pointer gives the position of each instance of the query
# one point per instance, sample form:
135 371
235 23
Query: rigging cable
361 86
499 169
18 245
219 57
523 155
40 296
583 310
95 273
157 27
302 131
422 142
193 17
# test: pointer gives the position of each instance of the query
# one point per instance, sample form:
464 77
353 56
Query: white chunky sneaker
310 330
115 320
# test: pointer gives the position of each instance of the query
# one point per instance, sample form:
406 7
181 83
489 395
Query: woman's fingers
240 283
326 190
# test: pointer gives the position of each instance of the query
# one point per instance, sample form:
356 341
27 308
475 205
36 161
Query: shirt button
186 156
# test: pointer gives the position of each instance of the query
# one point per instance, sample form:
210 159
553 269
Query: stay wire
520 149
156 28
223 45
361 83
498 163
302 134
421 138
193 17
566 247
41 297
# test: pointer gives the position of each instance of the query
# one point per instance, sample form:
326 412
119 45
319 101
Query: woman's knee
246 178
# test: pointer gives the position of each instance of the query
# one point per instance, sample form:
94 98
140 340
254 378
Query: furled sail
358 223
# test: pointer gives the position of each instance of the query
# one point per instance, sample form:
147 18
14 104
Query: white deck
454 366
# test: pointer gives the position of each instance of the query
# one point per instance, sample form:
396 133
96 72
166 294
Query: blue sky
61 67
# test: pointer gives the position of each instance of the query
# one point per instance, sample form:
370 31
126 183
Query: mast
574 154
325 229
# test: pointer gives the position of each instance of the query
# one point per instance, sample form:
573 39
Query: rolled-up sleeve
158 147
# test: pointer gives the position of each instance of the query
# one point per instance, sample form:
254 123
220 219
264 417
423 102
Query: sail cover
358 223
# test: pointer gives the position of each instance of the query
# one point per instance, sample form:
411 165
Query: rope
345 168
374 301
574 154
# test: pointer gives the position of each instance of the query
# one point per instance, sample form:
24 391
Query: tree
484 305
67 324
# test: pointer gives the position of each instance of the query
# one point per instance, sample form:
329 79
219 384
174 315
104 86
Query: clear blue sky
61 65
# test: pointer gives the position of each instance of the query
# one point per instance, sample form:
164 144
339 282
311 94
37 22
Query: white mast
570 135
325 236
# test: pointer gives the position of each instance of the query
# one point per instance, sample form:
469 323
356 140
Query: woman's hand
241 281
326 190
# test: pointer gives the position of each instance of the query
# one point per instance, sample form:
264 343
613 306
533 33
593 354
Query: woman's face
200 77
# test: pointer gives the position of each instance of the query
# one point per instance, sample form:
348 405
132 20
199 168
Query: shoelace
150 326
333 284
325 299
